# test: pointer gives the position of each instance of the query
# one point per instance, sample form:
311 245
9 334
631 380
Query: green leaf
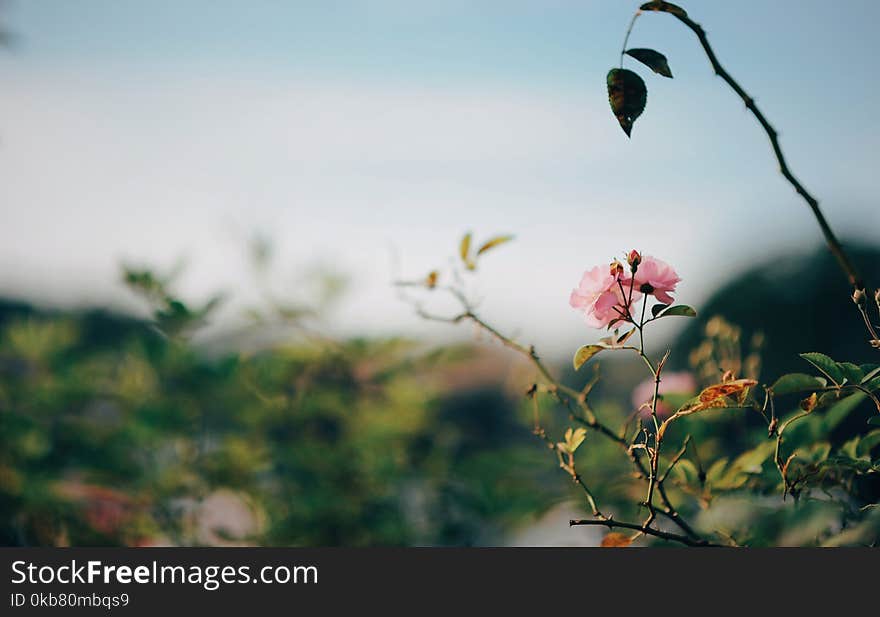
576 438
874 420
665 7
585 353
752 460
627 95
817 453
492 243
732 480
846 462
850 447
716 470
826 365
867 443
658 308
871 371
679 310
797 382
654 60
852 372
687 472
838 411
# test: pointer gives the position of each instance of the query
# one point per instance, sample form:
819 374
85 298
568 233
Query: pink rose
656 277
670 383
599 296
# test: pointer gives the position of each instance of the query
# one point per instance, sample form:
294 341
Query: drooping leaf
665 7
492 243
797 382
652 59
584 353
627 95
826 365
679 310
616 540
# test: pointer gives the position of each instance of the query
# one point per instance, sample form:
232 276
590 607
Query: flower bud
858 296
616 268
634 259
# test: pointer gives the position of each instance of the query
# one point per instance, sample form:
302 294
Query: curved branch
830 238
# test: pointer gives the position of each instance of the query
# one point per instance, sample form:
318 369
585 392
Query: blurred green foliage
115 430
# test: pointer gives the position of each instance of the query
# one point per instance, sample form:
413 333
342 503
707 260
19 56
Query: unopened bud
633 259
616 268
858 296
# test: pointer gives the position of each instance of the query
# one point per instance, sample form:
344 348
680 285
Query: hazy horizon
350 133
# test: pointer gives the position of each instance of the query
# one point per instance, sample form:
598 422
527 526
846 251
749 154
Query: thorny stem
834 244
655 454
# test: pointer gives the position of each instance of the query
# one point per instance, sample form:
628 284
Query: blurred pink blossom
599 296
671 383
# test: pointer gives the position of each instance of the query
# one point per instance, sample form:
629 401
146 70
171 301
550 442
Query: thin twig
626 38
650 531
565 395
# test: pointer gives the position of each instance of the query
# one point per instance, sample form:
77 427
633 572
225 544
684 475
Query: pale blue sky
150 131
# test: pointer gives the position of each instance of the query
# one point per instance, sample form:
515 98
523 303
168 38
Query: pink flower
671 383
656 277
599 296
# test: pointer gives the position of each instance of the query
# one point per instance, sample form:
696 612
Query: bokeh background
292 160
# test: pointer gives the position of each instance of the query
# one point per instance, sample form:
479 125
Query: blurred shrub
120 431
